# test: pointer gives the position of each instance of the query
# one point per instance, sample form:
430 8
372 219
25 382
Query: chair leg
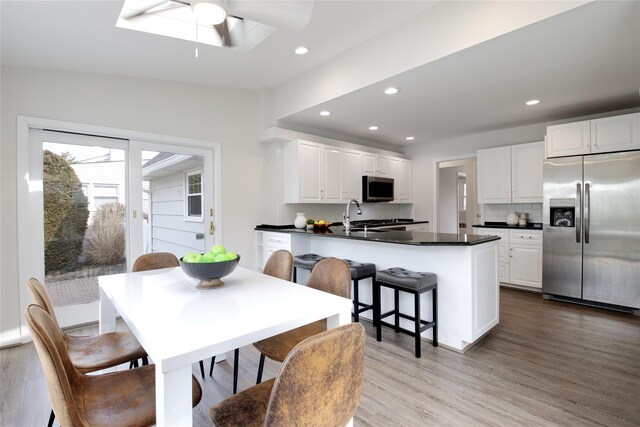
133 364
213 362
396 301
145 360
236 354
434 295
52 417
260 369
377 310
202 369
356 306
295 274
417 324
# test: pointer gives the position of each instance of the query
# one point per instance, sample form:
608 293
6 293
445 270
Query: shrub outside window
193 199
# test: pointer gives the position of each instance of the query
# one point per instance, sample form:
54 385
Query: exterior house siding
169 229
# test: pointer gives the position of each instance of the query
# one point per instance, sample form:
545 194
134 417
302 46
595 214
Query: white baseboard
10 338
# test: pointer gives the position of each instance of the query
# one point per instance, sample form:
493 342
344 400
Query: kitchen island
466 265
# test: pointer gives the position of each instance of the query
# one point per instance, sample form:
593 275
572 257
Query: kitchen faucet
346 217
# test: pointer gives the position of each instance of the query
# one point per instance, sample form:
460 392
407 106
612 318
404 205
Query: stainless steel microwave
377 189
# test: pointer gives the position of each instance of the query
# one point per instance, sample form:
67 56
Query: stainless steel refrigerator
591 215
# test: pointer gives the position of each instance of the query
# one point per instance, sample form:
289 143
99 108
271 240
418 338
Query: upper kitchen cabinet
375 164
494 175
511 174
352 175
400 171
569 139
617 133
526 172
319 173
302 172
331 172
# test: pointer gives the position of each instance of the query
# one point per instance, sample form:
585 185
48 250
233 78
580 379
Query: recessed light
325 113
532 102
373 127
301 50
391 91
410 138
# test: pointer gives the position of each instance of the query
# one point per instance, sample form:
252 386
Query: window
103 194
193 199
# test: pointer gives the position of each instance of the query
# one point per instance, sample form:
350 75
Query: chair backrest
154 261
331 275
40 296
320 381
63 380
280 265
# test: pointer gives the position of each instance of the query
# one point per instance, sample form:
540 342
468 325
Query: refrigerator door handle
578 204
587 203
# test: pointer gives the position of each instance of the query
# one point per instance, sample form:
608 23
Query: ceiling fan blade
285 14
223 31
150 10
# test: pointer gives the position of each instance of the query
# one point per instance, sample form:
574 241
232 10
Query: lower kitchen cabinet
519 256
267 243
525 252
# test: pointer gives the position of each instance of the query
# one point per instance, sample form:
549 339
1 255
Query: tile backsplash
499 212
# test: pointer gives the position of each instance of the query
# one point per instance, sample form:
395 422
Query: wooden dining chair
123 398
280 265
319 384
329 275
155 261
90 353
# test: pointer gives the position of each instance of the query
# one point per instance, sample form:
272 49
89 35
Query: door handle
587 203
578 219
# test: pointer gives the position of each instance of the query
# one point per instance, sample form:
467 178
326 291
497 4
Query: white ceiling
583 61
81 36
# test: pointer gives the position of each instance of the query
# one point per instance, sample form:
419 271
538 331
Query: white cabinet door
368 164
395 172
382 165
526 172
407 178
332 174
494 175
503 250
526 265
309 167
569 139
352 175
617 133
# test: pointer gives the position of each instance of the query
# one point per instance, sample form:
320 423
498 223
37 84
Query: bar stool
305 262
360 271
416 283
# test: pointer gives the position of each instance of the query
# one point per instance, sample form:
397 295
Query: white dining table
179 324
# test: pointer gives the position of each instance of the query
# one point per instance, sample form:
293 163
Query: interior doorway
456 196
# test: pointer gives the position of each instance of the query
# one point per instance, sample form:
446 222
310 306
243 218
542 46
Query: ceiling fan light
208 13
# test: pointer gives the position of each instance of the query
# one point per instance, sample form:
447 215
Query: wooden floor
547 363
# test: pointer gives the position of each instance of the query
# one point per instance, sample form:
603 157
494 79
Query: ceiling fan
224 14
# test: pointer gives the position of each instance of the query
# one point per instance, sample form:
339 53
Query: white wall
226 116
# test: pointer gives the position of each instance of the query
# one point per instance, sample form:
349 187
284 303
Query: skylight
176 19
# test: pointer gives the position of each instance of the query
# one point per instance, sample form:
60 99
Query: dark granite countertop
369 223
415 238
529 226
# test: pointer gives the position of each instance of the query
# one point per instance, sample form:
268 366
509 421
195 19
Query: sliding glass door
97 203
